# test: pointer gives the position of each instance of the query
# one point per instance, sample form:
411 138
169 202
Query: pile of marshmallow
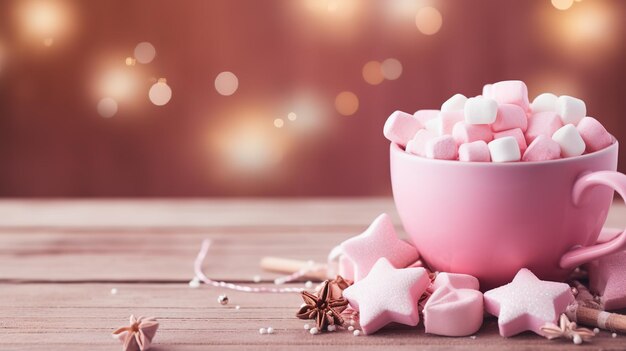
501 125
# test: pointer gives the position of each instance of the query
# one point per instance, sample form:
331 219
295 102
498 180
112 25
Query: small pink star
387 295
527 303
379 240
607 278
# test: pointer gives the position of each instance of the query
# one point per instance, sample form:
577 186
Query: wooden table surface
59 260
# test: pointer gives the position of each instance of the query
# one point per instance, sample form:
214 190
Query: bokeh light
107 107
391 69
403 9
160 93
279 123
310 109
44 20
372 73
145 52
292 116
121 84
562 4
347 103
129 61
226 83
428 20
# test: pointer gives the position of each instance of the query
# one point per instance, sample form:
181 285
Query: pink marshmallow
542 123
467 133
425 115
400 127
453 312
515 133
417 145
510 116
511 92
476 151
346 267
449 119
594 134
543 148
442 148
456 281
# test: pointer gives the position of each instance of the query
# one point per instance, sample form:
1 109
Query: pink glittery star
379 240
527 303
607 278
387 295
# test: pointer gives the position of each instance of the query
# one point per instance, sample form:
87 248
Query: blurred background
269 97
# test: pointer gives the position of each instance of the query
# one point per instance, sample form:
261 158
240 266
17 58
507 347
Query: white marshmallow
544 102
571 109
487 90
455 103
434 125
504 150
572 144
480 110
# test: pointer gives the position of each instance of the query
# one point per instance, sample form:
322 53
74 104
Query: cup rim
396 148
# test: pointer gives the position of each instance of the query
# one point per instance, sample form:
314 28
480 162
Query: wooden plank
178 213
81 316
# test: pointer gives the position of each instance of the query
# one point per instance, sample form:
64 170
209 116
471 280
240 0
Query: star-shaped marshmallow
527 303
379 240
387 295
607 278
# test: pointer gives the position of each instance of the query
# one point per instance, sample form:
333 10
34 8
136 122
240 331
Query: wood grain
57 271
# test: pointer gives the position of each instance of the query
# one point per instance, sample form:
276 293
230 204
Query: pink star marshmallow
387 295
379 240
527 303
607 278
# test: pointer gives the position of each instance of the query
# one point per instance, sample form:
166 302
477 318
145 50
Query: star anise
138 335
568 330
323 307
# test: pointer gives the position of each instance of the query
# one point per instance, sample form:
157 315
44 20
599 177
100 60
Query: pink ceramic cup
491 219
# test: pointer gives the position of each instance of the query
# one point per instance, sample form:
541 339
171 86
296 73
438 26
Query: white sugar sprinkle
314 331
307 327
614 335
596 330
113 291
356 332
262 331
256 278
308 284
350 328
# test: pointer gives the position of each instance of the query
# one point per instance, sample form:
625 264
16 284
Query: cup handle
579 255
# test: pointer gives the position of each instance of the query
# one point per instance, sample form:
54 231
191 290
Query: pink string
204 250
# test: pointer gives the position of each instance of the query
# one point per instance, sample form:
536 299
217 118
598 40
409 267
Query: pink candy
515 133
469 129
476 151
467 133
401 127
542 148
543 123
593 133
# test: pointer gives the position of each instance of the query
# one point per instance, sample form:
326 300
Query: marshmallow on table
456 281
442 148
447 120
570 141
607 278
387 295
511 92
455 103
510 116
545 102
417 145
594 134
425 115
467 133
542 123
571 109
543 148
527 303
480 110
515 133
453 312
476 151
505 149
400 127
